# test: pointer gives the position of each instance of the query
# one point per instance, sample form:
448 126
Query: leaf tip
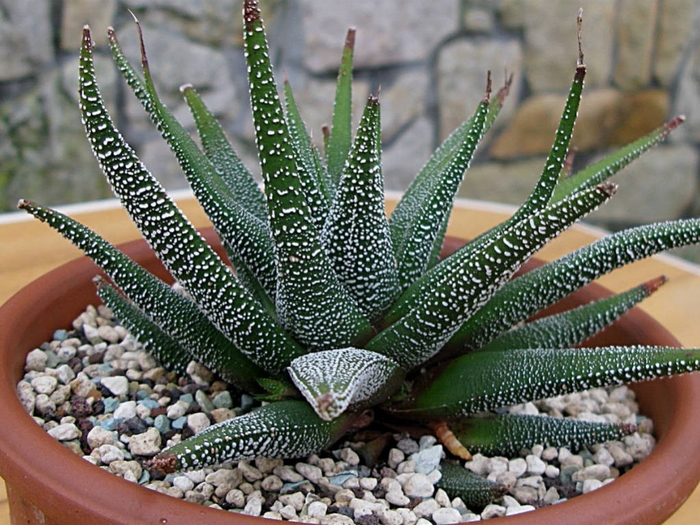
654 284
579 23
350 38
165 463
674 123
608 188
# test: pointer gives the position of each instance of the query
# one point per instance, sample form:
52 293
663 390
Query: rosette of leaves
329 309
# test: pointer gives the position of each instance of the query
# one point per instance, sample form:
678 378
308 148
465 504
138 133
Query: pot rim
655 487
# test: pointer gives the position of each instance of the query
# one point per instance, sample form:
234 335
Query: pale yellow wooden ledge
30 249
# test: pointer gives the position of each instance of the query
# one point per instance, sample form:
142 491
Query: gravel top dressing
95 390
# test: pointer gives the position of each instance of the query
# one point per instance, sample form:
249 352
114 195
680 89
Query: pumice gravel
99 393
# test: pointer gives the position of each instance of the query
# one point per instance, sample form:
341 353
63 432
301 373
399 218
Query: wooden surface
30 249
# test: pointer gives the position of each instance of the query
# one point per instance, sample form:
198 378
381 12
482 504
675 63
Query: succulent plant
330 309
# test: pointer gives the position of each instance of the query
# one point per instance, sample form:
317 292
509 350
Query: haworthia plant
332 312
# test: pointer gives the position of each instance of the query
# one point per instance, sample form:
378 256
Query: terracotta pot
47 484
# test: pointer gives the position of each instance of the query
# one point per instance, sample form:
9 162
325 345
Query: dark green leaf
482 381
311 302
507 435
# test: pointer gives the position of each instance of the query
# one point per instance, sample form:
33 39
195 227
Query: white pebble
236 498
368 483
272 483
253 507
81 385
442 498
27 396
146 444
108 333
395 457
287 473
392 517
493 511
621 457
512 511
65 374
551 471
117 385
125 410
198 422
109 453
310 472
183 483
129 470
550 454
350 456
535 465
295 499
177 410
288 512
98 436
590 485
317 509
407 516
446 516
599 472
397 498
419 486
517 466
36 360
44 384
509 501
426 508
336 519
65 432
604 457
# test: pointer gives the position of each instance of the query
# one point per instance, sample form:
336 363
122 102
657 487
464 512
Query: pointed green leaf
457 287
228 165
614 162
482 381
572 327
506 435
241 231
419 221
311 302
356 234
307 154
334 380
172 312
157 342
286 429
179 246
537 289
556 159
475 491
341 133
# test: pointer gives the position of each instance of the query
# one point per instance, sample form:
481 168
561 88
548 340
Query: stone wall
430 59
